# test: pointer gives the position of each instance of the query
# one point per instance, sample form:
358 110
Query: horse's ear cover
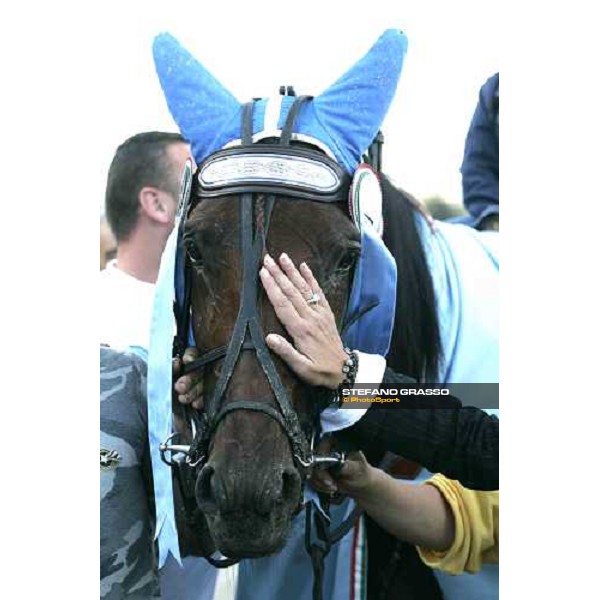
342 121
345 117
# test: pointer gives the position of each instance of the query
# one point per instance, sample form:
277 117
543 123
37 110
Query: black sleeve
460 442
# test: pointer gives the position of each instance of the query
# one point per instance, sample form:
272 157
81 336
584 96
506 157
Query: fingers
354 467
284 309
322 481
193 393
184 383
190 387
307 274
301 365
177 364
190 355
295 289
306 291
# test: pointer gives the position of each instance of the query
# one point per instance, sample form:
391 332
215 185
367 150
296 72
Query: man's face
108 244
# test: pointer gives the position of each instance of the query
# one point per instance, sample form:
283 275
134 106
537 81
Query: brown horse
250 487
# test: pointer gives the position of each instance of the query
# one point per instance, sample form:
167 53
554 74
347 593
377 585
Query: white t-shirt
125 308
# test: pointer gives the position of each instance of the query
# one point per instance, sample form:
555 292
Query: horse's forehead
288 217
325 222
213 214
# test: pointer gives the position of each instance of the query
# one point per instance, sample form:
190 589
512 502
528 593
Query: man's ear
154 203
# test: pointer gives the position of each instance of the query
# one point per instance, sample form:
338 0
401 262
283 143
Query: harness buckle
173 449
335 460
194 463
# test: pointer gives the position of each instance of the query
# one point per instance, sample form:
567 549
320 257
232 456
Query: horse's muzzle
249 514
227 491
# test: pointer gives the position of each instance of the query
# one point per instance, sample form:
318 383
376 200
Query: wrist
337 377
369 492
345 373
350 367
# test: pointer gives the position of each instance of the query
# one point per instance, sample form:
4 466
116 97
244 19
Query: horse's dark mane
416 348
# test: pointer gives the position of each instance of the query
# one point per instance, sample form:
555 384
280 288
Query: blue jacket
480 162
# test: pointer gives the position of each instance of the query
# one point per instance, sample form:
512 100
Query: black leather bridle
247 332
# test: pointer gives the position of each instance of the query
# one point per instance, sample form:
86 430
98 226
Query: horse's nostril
204 488
291 484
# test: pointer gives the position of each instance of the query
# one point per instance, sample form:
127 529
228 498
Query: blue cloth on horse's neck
464 266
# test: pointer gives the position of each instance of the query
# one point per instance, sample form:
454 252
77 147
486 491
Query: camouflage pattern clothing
128 567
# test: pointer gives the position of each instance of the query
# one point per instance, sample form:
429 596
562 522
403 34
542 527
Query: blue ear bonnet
345 117
342 121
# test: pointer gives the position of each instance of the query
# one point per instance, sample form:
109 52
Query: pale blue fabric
195 579
345 117
160 384
464 267
289 574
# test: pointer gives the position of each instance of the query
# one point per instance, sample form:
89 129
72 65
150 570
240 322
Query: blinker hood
273 169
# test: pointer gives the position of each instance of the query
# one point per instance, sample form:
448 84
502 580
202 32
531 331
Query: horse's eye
348 260
194 255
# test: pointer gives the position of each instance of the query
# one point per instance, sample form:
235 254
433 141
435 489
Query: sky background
254 47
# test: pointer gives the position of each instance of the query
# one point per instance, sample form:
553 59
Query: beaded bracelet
349 370
350 367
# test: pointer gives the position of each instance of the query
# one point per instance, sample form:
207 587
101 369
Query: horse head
273 176
251 484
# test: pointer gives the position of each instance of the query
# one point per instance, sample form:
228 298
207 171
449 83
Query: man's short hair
140 161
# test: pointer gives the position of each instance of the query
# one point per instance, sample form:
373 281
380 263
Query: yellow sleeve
476 529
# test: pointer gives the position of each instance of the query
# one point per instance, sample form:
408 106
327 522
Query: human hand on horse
354 478
318 354
188 387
